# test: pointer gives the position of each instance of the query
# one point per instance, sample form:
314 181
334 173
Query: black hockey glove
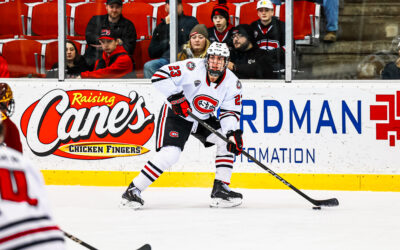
235 144
180 104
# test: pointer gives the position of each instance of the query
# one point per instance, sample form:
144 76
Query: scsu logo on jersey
205 104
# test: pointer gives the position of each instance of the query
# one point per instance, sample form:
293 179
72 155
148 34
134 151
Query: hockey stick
328 203
144 247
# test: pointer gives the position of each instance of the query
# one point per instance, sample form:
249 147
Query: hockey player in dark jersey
7 105
201 86
269 33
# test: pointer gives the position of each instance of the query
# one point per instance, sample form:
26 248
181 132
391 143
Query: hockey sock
164 159
224 168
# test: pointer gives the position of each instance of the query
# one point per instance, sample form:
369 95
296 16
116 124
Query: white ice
180 218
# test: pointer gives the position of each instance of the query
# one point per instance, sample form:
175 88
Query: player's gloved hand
235 144
180 104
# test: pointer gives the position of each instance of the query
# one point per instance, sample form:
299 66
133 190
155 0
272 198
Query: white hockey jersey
205 97
25 220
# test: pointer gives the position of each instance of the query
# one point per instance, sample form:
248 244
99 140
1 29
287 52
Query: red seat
141 56
83 14
45 19
141 15
10 19
305 29
161 13
20 56
50 57
203 13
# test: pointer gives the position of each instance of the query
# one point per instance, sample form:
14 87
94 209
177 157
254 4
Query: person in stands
197 45
220 32
113 19
159 45
392 69
115 62
75 64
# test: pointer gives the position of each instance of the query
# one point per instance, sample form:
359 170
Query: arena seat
49 56
81 15
307 22
45 20
23 57
141 56
141 15
203 13
11 15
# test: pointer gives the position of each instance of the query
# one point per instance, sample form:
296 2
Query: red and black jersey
221 37
12 138
116 65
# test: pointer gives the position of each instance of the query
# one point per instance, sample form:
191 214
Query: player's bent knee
170 154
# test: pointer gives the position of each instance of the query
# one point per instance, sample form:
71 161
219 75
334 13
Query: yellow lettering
77 96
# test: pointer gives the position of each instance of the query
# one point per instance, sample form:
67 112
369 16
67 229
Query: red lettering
21 192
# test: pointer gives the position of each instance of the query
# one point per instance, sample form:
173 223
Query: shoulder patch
190 65
238 84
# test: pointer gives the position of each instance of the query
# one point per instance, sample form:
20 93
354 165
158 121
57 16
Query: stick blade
327 203
145 247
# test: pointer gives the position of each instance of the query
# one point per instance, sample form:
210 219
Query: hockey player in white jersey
201 86
25 220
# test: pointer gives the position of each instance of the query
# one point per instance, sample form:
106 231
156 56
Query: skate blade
221 203
125 204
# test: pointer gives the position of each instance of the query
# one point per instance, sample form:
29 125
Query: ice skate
131 198
223 196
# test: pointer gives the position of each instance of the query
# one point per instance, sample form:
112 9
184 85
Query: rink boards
318 135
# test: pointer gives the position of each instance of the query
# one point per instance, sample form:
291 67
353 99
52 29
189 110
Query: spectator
112 20
7 105
247 60
269 33
331 10
75 63
197 45
220 32
159 45
392 69
115 63
4 68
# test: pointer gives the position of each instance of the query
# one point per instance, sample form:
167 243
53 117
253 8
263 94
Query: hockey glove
235 144
180 104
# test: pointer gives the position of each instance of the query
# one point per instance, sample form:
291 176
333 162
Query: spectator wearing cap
220 32
4 73
113 20
269 33
392 69
115 62
247 60
331 10
159 45
197 45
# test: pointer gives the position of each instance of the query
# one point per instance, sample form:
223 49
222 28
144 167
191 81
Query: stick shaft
79 241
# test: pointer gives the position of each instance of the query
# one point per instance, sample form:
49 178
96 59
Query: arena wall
317 135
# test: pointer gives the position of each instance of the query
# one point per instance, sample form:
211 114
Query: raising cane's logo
87 124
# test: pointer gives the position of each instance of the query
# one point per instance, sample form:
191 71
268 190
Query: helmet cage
217 49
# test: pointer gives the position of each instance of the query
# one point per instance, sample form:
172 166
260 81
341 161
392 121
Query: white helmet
217 49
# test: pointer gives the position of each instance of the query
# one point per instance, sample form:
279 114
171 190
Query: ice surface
180 218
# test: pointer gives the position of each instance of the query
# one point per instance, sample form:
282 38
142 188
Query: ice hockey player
201 86
12 138
25 219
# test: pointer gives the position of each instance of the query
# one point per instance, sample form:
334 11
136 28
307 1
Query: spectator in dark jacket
115 63
392 69
220 32
75 63
269 33
113 20
247 60
159 45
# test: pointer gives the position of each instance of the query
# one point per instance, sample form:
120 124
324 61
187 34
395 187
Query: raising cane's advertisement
88 124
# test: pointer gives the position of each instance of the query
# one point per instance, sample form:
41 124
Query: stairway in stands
367 30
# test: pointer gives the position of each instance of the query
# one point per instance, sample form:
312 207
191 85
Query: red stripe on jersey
157 75
224 160
161 131
151 171
31 231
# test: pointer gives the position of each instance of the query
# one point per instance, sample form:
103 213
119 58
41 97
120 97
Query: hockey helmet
7 104
217 49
